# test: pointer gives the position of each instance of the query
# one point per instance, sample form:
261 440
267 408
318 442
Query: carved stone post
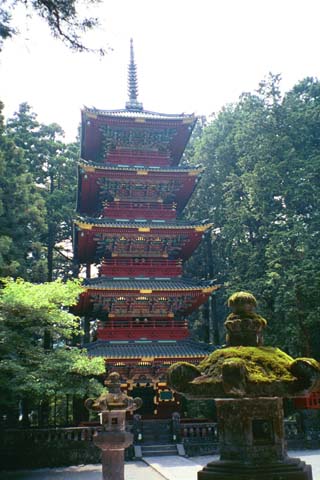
114 438
176 436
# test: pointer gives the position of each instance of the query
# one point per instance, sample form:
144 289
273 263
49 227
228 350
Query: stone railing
49 447
47 435
52 447
206 430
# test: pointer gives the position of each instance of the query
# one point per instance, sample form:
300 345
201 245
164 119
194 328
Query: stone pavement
133 471
154 468
179 468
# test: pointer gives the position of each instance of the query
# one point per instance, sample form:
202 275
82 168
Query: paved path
156 468
179 468
133 471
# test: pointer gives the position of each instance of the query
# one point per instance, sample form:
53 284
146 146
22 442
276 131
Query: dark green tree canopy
261 191
52 165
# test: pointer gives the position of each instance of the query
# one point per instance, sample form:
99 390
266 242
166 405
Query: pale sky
192 56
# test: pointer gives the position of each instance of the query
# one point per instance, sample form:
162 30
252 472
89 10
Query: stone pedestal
252 445
113 445
290 469
112 407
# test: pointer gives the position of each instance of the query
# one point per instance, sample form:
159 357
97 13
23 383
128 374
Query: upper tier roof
98 183
108 132
147 114
95 238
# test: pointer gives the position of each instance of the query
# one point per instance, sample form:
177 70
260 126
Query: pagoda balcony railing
149 267
141 196
146 333
136 157
134 330
138 323
134 209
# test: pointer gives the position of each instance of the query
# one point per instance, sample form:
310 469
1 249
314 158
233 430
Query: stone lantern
114 438
248 382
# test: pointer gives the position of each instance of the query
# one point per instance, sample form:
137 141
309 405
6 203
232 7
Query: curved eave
138 114
89 167
133 119
200 290
142 227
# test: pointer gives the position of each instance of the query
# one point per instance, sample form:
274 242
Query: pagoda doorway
147 393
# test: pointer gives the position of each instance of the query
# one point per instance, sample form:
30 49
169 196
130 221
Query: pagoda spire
132 103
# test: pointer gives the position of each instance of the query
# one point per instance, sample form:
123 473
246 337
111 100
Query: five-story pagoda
131 191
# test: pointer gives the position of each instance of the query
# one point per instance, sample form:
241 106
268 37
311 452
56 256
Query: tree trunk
214 321
80 413
44 412
86 328
25 410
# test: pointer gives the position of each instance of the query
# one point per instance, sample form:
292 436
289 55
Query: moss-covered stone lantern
248 382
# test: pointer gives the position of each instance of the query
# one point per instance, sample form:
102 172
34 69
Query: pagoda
131 193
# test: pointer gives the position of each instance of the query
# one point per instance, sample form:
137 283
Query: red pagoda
131 191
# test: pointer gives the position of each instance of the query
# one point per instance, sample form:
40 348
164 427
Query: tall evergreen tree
261 191
52 163
22 211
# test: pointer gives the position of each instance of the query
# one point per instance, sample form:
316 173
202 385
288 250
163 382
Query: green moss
180 374
311 361
263 364
241 298
244 315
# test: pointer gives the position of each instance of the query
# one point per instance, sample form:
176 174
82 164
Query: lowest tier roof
137 349
149 283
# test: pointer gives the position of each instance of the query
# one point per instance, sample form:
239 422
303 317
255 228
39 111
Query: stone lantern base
252 445
291 469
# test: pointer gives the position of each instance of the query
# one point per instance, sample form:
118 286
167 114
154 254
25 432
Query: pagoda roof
149 283
91 166
87 223
145 114
137 349
177 129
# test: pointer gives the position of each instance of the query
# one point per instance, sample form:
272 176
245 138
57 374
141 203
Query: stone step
158 450
157 439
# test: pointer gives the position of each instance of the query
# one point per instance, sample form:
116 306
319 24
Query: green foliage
21 210
52 166
261 191
62 17
33 309
26 369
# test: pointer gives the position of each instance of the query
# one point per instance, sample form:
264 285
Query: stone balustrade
199 430
51 447
77 434
47 435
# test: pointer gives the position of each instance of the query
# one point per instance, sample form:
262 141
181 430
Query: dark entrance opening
147 395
